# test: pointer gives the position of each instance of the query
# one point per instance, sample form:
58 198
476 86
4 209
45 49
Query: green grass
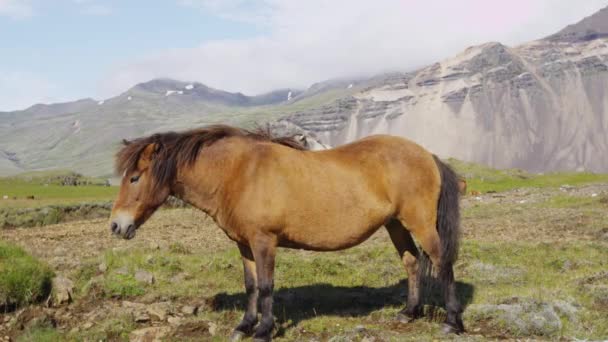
41 334
45 194
23 278
483 179
328 294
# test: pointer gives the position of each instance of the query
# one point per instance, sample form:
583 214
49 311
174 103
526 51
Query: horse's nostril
114 227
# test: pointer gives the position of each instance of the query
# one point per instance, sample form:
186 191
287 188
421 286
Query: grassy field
484 179
43 186
532 265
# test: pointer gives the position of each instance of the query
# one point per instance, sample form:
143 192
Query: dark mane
175 149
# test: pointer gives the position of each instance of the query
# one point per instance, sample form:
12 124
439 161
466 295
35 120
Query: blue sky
58 50
71 44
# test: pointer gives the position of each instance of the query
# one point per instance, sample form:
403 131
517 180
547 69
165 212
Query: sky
62 50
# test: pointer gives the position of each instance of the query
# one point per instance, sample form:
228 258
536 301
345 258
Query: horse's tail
448 226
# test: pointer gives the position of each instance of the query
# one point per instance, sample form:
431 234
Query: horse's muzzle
123 227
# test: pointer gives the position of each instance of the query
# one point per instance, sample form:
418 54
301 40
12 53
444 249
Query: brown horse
266 192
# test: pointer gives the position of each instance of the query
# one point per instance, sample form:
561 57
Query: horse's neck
202 184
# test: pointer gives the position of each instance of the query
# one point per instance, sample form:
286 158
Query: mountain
540 106
83 135
592 27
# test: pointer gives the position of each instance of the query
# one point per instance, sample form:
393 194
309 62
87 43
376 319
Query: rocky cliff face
541 106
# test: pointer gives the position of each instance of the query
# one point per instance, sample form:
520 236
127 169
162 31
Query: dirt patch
65 246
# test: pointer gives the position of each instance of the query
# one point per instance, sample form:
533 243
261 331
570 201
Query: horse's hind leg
424 230
408 252
250 319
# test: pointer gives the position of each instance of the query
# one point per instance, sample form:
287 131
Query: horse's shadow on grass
296 304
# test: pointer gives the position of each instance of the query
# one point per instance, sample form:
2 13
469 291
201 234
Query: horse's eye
134 179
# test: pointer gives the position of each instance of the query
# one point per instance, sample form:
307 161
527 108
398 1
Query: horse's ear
147 155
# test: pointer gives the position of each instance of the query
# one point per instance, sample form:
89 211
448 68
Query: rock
132 305
193 329
149 259
524 316
174 321
144 277
141 317
63 289
87 325
103 267
189 310
212 328
159 311
151 334
154 245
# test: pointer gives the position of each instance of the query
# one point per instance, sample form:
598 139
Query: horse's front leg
264 251
250 319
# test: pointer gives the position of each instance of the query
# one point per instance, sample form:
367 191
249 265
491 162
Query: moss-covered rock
525 316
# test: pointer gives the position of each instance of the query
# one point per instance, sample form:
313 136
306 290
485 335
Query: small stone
74 330
149 259
189 310
174 321
159 310
359 329
150 334
141 317
132 305
103 267
63 289
144 277
154 245
87 325
212 328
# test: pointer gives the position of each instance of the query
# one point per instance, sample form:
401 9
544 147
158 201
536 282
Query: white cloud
15 9
314 40
19 90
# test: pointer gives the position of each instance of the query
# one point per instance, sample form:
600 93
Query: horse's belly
329 236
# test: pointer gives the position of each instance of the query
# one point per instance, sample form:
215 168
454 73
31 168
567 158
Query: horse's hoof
404 318
451 329
237 336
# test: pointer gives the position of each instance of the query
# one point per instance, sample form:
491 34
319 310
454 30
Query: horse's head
142 188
